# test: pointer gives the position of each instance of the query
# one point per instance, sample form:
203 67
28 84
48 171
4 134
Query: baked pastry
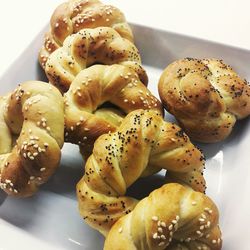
206 97
87 47
171 217
34 114
86 119
142 145
74 15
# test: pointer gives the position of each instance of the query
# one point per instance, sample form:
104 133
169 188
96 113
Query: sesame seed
163 237
163 224
160 230
120 230
155 235
161 244
174 221
42 169
214 241
155 218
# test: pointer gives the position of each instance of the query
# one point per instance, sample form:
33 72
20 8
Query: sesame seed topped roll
31 133
87 47
173 217
117 85
74 15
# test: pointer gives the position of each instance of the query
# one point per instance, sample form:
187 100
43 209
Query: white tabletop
224 21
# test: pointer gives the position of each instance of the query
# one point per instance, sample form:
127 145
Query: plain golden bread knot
206 97
31 136
87 47
172 217
142 145
95 86
74 15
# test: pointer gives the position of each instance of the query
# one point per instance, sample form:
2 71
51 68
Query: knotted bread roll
142 145
205 96
34 114
171 217
87 47
115 84
74 15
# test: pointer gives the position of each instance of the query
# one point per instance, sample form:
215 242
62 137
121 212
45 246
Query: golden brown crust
143 144
87 47
171 217
116 84
74 15
206 96
34 114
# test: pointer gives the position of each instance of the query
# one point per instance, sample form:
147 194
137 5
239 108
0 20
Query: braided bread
74 15
98 84
142 145
206 96
87 47
171 217
34 111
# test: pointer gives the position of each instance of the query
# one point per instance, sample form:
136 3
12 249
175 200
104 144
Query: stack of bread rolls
97 97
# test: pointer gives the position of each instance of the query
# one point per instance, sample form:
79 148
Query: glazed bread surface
172 217
206 97
119 85
142 145
33 114
74 15
101 45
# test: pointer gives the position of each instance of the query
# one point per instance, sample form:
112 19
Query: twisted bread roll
87 47
142 145
34 112
206 96
171 217
94 86
74 15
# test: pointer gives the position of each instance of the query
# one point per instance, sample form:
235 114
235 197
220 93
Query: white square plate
50 219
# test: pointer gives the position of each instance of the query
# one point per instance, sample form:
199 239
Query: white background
225 21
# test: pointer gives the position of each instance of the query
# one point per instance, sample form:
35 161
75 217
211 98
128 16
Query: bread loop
142 145
116 84
74 15
33 113
171 217
205 96
87 47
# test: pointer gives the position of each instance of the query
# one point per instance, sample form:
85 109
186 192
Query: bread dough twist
33 113
99 84
87 47
142 145
205 96
171 217
74 15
